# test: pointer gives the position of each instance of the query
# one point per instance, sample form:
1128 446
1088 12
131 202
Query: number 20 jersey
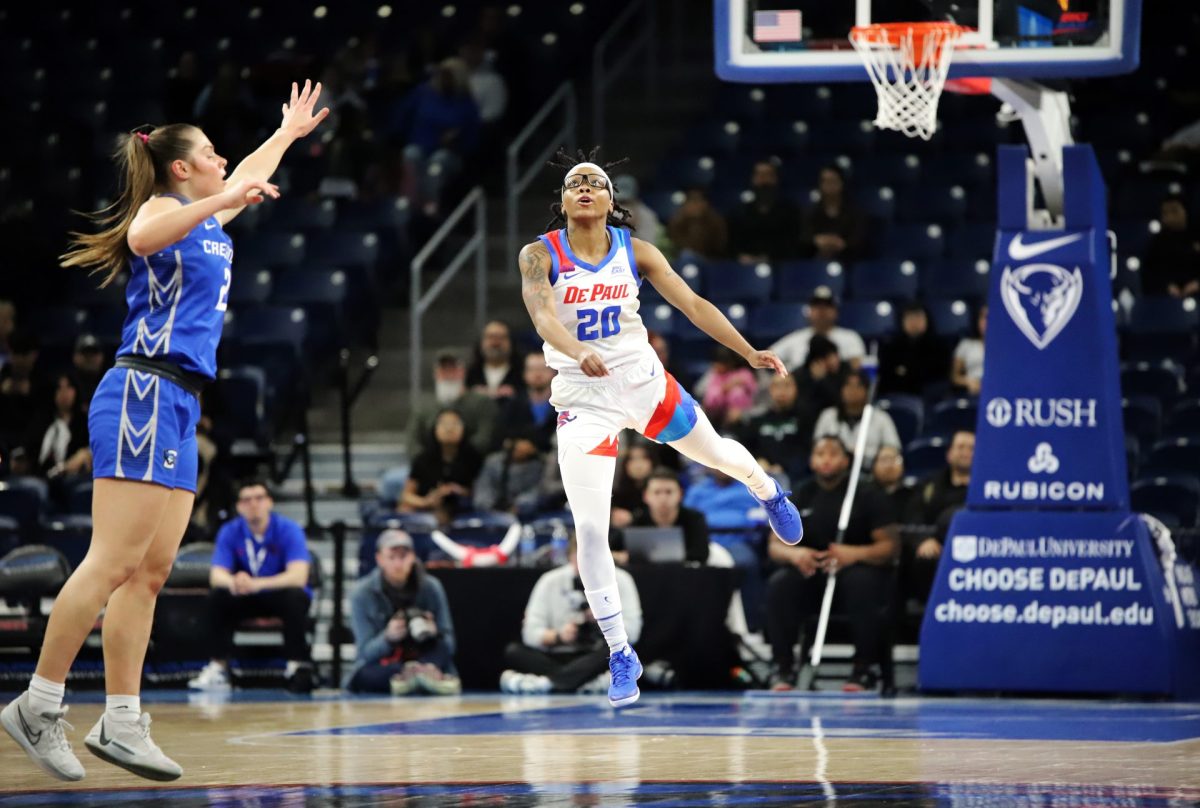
597 303
177 299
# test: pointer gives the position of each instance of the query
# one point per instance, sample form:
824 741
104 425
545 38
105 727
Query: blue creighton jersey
177 299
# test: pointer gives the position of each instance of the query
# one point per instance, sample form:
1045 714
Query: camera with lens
420 628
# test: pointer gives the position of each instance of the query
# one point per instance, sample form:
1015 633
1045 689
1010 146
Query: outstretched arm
708 318
298 121
539 301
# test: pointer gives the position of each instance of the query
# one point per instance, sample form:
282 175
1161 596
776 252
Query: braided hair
564 160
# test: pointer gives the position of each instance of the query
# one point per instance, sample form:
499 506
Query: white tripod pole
860 445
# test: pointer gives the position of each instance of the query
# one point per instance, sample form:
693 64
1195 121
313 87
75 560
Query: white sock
45 696
123 709
606 608
705 445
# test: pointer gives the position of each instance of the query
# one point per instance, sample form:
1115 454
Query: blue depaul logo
1041 299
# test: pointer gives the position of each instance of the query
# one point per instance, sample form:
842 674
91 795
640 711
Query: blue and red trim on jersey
562 259
675 415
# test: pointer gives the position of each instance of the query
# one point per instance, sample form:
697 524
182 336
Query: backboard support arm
1046 116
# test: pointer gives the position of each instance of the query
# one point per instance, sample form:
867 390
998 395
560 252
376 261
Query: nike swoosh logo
104 739
34 737
209 225
1018 251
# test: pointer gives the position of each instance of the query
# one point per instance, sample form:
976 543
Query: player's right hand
591 363
247 192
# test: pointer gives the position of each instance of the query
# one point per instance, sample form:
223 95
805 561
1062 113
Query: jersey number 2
223 298
597 323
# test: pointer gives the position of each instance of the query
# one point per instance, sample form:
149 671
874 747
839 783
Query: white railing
518 178
421 303
640 38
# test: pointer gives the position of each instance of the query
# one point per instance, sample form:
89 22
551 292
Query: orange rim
892 32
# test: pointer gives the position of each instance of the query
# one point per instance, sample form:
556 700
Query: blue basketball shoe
626 669
783 516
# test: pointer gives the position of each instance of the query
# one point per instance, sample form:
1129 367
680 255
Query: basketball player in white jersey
580 285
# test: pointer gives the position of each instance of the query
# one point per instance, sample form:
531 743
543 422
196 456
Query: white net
908 65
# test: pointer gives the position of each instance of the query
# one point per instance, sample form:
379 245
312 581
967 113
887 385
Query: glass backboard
808 40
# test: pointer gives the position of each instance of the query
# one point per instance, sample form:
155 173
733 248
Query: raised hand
298 117
248 192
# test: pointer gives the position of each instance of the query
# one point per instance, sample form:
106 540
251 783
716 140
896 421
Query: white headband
596 169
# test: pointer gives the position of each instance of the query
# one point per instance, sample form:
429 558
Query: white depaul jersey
598 304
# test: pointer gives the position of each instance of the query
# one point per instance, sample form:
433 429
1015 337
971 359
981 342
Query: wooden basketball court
687 749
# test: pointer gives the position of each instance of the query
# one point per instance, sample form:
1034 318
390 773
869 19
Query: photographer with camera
562 648
402 626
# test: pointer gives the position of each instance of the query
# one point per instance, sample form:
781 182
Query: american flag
777 26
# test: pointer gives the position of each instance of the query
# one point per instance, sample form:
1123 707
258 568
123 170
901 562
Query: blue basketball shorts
143 427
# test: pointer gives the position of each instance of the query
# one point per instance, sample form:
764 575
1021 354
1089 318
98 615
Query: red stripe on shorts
665 409
607 447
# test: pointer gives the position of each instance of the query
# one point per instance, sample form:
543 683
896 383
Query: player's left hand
298 117
767 360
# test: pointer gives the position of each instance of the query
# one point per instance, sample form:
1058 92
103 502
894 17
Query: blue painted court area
658 794
804 716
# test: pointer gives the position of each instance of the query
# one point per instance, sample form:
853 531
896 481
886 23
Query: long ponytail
144 157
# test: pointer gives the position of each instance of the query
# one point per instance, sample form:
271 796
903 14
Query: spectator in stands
819 381
8 322
697 229
781 436
89 363
966 372
764 229
561 648
260 568
402 626
478 410
487 86
727 389
632 475
1172 265
844 421
914 358
440 115
863 561
58 448
663 507
530 408
511 478
19 385
888 475
443 473
832 228
944 489
495 370
822 320
735 521
183 87
645 221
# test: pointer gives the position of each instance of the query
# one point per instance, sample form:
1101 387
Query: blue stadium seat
1173 456
714 137
797 279
322 295
10 535
953 415
785 137
738 314
68 534
914 241
1162 380
771 321
663 203
59 325
975 169
1173 499
84 289
949 318
884 280
731 280
1184 419
971 242
889 169
907 412
946 205
79 498
872 319
691 269
290 213
687 172
390 213
956 279
876 203
1141 197
240 393
274 250
742 103
1143 417
925 455
275 325
343 249
1162 327
250 286
23 501
1133 237
843 137
661 318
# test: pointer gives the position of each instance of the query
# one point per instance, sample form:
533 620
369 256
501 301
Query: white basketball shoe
130 746
43 737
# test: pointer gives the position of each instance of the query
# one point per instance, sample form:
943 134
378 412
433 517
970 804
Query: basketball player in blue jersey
580 286
167 226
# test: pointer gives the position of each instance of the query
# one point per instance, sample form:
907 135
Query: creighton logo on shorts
1041 299
565 417
169 456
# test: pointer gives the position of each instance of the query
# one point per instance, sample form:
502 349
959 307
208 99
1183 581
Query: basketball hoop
908 63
